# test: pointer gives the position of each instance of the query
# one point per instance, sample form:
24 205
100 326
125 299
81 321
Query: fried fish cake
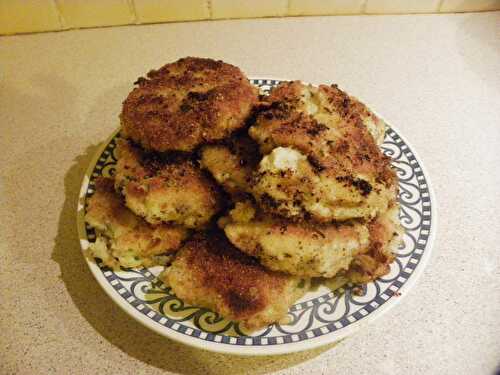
232 163
320 159
187 103
208 271
301 249
385 236
289 185
165 188
124 239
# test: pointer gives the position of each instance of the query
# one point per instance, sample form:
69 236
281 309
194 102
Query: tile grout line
62 21
210 11
440 5
363 7
131 6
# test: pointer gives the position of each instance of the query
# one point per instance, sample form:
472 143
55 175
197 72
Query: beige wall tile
248 8
170 10
469 5
317 7
401 6
28 16
88 13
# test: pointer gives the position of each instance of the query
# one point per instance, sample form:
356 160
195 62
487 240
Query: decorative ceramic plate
319 318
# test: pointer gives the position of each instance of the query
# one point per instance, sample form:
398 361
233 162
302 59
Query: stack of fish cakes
158 181
245 198
321 188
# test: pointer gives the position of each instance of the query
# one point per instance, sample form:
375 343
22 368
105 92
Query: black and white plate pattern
320 317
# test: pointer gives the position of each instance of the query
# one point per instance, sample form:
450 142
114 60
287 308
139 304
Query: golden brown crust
304 249
385 236
125 238
165 188
208 271
232 163
303 107
324 125
187 103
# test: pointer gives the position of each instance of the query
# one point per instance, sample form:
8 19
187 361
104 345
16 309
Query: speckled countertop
435 77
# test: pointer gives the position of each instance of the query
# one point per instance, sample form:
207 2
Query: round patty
321 161
208 271
360 250
301 249
165 188
187 103
124 239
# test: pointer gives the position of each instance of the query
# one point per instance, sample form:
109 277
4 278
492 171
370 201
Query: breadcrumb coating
187 103
210 272
321 161
165 188
124 239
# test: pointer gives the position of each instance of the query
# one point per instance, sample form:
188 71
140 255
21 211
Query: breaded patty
165 188
187 103
321 161
208 271
232 164
385 236
302 249
124 239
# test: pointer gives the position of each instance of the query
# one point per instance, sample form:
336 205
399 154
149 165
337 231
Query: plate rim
286 348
